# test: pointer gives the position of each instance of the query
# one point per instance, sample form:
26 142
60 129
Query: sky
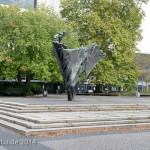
144 45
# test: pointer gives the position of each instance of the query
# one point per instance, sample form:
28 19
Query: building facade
21 3
32 3
143 63
52 3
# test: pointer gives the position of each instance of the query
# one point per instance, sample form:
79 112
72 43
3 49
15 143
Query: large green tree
26 47
115 26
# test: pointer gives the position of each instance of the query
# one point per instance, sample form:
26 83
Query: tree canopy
116 26
26 43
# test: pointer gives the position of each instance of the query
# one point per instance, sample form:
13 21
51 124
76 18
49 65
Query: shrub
129 93
15 89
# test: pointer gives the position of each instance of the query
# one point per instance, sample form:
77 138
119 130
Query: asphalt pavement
111 140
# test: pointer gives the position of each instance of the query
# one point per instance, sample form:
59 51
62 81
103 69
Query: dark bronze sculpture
73 62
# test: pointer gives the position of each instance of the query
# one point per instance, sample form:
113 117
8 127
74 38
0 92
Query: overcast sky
144 45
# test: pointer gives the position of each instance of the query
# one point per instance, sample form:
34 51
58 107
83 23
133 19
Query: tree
26 47
115 26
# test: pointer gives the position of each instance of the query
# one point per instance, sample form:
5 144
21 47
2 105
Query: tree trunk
29 76
99 88
19 77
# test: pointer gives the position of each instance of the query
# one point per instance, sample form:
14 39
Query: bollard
45 93
138 94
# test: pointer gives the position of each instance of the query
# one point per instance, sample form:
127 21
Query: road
111 140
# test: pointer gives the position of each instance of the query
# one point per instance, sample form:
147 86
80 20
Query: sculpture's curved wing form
75 61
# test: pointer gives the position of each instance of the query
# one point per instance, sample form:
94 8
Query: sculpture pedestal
70 93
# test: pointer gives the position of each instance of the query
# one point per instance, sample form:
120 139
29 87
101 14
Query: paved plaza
33 115
42 115
62 99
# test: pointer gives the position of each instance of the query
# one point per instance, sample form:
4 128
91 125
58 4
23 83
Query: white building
54 3
32 3
143 62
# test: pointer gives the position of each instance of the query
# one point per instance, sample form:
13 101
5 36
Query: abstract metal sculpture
73 62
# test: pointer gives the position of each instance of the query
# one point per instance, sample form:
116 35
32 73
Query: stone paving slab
29 108
48 116
103 127
27 116
27 131
91 115
73 119
62 100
